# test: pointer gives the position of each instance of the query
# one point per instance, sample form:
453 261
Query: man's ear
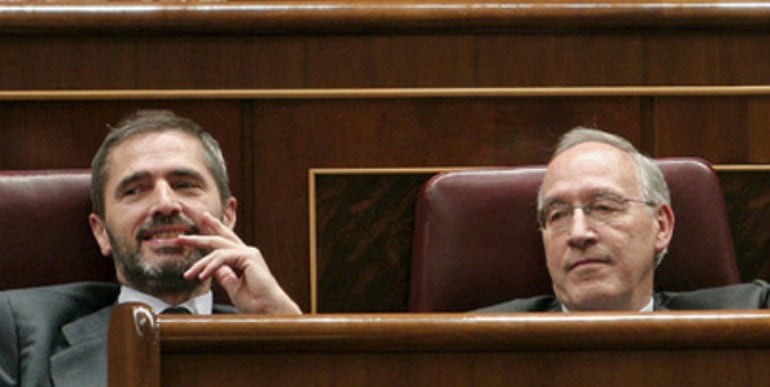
665 218
100 234
230 212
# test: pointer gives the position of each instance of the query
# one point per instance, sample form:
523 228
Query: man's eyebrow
184 172
138 176
552 201
607 194
594 194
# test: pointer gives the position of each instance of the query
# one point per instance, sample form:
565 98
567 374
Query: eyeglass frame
588 209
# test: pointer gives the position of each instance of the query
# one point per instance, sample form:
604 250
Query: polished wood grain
368 268
711 130
133 328
119 61
452 349
392 60
381 43
458 332
377 15
747 194
701 367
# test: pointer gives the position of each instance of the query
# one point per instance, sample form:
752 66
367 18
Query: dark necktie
176 310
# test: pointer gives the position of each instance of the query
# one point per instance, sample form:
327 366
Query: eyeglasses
556 216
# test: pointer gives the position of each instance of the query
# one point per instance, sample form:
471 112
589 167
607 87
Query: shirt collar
649 307
202 304
646 309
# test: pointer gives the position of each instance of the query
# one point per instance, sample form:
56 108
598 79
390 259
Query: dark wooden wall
287 89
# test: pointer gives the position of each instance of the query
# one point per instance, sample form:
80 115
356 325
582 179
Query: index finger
209 224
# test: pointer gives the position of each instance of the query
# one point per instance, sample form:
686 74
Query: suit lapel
82 361
554 306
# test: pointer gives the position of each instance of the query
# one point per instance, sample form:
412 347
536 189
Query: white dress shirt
202 304
646 309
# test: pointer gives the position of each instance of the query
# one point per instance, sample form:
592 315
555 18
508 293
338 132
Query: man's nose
580 230
165 200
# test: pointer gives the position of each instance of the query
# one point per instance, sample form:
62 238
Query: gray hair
652 182
148 121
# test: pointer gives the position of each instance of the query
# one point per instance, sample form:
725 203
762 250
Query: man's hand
239 268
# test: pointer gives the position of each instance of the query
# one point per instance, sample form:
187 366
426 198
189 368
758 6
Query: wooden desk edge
441 331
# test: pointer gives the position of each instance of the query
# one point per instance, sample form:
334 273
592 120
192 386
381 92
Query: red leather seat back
45 238
477 241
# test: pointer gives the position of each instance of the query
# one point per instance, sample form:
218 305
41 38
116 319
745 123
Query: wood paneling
391 61
552 59
379 43
195 61
219 62
707 126
61 62
747 193
707 58
364 224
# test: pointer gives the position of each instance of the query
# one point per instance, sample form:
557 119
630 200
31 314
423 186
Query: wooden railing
662 348
376 15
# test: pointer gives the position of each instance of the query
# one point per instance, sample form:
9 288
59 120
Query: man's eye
186 185
131 191
555 215
605 207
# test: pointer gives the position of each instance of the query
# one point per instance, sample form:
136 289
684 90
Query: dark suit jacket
57 335
753 295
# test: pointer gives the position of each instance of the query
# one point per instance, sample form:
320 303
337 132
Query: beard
156 278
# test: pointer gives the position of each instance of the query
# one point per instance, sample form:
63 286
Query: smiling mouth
146 235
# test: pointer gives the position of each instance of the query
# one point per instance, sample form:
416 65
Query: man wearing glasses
606 221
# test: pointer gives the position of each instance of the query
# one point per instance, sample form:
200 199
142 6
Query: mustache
160 221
